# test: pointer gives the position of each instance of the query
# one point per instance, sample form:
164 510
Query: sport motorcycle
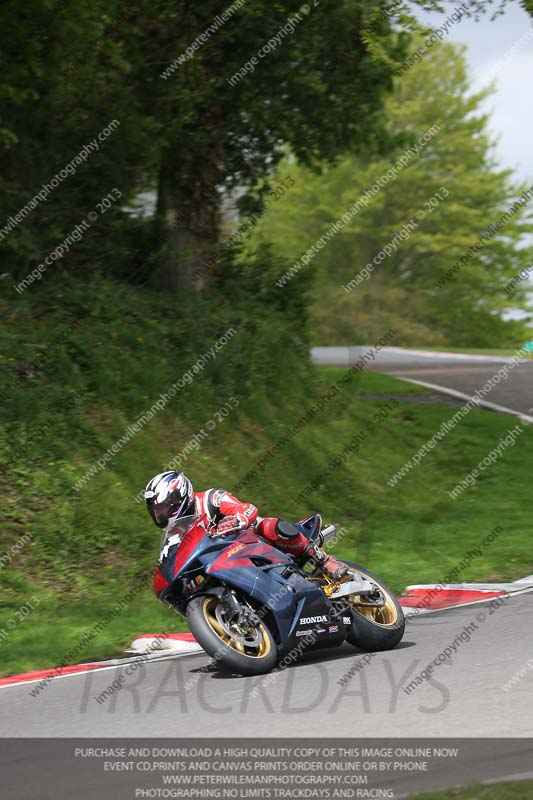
248 604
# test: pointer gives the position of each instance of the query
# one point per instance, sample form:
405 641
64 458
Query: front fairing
260 570
239 563
182 549
245 562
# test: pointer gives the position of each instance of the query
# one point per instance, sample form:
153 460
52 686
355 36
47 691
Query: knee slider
286 529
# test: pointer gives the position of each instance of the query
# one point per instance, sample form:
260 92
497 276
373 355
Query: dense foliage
435 250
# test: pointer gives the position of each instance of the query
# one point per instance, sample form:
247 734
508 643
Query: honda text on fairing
248 603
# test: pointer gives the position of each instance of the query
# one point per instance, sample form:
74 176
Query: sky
501 50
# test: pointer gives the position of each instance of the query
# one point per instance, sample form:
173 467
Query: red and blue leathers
227 512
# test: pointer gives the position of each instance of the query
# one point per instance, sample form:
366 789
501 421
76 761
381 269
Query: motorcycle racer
170 495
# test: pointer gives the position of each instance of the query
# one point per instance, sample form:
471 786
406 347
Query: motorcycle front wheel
375 628
249 650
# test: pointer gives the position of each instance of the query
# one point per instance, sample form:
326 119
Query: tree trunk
188 226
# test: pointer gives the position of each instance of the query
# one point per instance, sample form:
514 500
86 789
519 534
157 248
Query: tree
229 109
406 257
61 83
202 112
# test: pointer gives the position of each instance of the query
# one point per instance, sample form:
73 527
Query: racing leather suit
226 511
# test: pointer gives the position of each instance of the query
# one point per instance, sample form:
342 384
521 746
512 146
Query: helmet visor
174 505
161 513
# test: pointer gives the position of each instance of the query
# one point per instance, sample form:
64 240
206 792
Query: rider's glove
233 523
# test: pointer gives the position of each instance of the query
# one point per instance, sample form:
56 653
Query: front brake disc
251 638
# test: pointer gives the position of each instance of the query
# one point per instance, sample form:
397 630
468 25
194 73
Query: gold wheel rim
386 615
209 606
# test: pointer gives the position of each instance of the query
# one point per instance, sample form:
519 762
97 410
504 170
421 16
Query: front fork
232 607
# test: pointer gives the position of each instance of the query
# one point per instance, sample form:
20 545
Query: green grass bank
78 372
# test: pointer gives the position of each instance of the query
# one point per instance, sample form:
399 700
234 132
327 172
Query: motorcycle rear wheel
376 629
249 652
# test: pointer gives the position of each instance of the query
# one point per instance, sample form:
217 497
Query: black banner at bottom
153 769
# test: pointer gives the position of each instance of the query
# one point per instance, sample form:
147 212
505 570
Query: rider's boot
334 568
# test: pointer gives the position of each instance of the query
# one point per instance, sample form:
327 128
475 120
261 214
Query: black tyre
376 629
250 651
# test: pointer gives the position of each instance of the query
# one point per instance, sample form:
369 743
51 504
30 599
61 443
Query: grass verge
477 351
86 551
518 790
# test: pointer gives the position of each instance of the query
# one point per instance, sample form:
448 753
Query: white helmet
168 495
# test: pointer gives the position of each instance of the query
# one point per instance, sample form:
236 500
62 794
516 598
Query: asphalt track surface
180 696
464 374
177 697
